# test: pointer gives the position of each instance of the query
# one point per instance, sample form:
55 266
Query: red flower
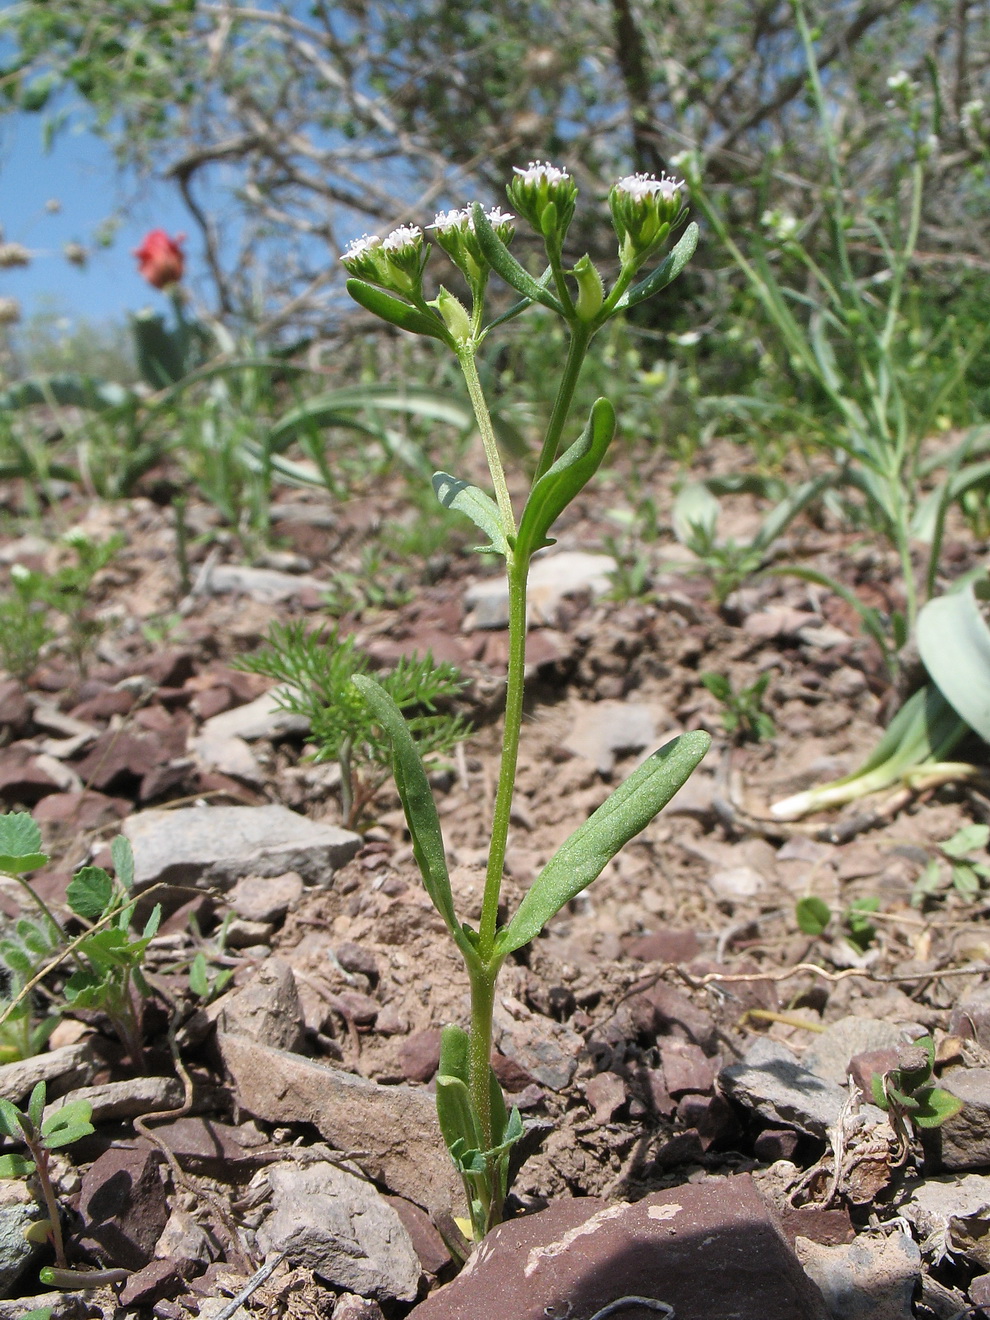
160 258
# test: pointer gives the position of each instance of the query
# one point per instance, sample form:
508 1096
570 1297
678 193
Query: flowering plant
161 260
387 278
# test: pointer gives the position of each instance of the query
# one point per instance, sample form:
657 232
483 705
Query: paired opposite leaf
583 857
569 475
479 507
395 311
417 803
666 272
813 915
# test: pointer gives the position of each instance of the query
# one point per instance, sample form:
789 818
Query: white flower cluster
539 172
639 187
361 247
445 221
403 237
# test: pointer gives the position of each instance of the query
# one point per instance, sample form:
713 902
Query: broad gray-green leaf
666 272
417 803
583 857
954 642
479 507
565 479
20 844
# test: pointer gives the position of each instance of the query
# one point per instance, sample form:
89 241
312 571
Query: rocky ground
692 1067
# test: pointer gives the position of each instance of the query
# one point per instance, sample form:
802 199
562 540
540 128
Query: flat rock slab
207 846
770 1080
338 1226
711 1250
551 580
394 1128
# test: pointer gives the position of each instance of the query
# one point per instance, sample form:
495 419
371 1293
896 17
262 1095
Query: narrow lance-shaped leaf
565 479
123 860
417 803
395 311
503 263
476 505
458 1121
666 272
583 856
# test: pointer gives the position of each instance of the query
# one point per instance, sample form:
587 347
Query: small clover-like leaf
90 892
935 1105
813 914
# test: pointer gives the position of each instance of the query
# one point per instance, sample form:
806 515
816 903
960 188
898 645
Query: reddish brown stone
658 1098
862 1067
659 1010
428 1245
605 1094
419 1055
512 1076
15 712
711 1116
123 1207
114 701
692 1247
830 1228
354 1007
159 1279
205 1146
86 810
667 946
774 1144
22 780
214 701
687 1068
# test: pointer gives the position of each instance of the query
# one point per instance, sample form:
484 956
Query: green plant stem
483 979
514 687
40 1156
465 356
577 349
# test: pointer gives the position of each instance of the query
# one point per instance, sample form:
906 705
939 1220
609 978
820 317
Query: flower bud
644 209
455 316
161 260
395 263
591 291
544 196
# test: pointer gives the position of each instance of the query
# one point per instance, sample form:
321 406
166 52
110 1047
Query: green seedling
743 715
316 672
955 867
107 958
387 279
814 916
41 1135
67 591
908 1092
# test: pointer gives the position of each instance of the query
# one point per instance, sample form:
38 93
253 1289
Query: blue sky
80 173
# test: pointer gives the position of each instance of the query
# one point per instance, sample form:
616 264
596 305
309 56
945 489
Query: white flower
444 221
361 247
641 186
537 172
899 81
496 216
780 223
19 572
405 236
77 537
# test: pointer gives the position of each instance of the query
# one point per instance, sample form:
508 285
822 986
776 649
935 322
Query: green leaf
934 1107
20 844
813 914
417 803
123 861
455 1044
395 311
954 642
36 1104
479 507
582 858
10 1120
879 1091
717 684
665 273
455 1113
153 922
565 479
199 982
966 840
73 1114
90 892
695 514
15 1166
965 881
504 264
